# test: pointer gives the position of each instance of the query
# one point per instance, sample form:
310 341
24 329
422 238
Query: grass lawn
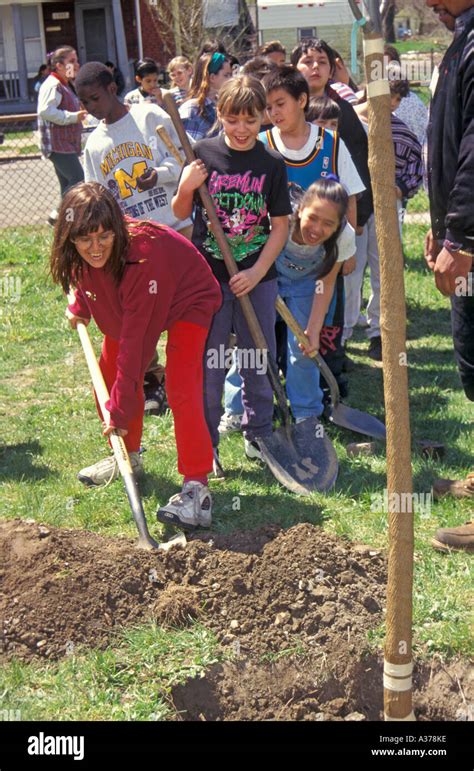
423 45
49 431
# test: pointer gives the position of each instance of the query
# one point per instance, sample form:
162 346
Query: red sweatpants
184 389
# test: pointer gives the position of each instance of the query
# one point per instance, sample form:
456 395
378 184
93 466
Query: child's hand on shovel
312 345
108 429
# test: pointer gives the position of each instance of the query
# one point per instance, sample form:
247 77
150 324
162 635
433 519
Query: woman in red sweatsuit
136 279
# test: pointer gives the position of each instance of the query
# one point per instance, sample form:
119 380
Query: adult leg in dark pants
462 322
68 170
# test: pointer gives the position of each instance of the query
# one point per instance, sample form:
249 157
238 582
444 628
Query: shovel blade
356 420
301 457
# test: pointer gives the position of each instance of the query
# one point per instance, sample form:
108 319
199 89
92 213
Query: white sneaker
189 509
230 423
252 450
105 471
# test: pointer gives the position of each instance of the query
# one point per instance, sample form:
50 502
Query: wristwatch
455 246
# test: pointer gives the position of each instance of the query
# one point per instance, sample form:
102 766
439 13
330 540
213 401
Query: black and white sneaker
156 402
252 449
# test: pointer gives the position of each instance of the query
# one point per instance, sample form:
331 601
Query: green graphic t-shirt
248 188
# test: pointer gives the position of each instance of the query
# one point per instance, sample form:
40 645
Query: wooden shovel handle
145 541
170 145
245 301
291 322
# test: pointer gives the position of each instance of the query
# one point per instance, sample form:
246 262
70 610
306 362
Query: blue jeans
257 393
302 375
233 390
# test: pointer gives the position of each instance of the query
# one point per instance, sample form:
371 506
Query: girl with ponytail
320 241
198 112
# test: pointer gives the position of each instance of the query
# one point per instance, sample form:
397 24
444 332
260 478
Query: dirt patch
292 608
335 687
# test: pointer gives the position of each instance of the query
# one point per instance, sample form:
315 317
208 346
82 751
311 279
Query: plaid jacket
197 125
58 106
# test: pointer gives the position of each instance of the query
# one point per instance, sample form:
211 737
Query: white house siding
337 36
332 22
286 15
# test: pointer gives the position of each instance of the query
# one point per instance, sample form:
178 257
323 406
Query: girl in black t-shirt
248 184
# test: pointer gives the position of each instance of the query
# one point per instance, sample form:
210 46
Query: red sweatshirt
165 280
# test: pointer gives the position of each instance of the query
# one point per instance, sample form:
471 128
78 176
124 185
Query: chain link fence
29 188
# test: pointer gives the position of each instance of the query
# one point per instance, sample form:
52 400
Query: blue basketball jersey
321 161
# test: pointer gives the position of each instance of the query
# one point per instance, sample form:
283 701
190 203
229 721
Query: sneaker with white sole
230 424
156 402
252 450
105 471
189 509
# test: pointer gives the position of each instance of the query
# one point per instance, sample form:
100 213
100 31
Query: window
32 38
306 33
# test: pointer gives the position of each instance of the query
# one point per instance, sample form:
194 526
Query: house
230 22
99 30
291 22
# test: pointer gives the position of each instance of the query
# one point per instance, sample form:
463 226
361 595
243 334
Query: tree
192 30
388 10
193 33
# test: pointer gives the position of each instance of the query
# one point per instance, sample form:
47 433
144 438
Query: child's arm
322 298
244 281
350 265
192 177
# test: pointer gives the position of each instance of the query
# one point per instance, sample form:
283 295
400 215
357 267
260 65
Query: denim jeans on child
233 389
302 375
257 393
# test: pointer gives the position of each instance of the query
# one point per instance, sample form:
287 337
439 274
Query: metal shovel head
301 457
356 420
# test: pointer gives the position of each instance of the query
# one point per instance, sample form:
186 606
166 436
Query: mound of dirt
274 591
293 607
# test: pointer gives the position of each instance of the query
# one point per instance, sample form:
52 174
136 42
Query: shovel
301 457
145 541
341 414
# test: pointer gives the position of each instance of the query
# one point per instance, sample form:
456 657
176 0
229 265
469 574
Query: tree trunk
389 24
398 644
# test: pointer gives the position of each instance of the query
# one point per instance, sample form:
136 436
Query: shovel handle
223 244
291 322
170 145
145 541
